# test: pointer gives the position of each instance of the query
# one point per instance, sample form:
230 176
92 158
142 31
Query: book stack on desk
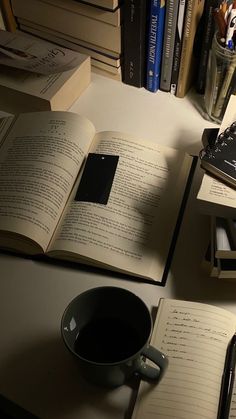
148 44
217 194
93 28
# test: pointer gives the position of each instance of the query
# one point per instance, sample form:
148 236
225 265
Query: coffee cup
108 330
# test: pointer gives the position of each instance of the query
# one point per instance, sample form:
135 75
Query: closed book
155 44
168 44
222 235
66 21
134 41
208 29
187 69
99 60
23 91
103 15
177 46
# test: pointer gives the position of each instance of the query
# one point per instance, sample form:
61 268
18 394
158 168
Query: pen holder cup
220 80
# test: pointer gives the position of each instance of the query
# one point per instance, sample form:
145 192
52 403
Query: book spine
134 42
155 42
168 44
206 41
187 69
177 46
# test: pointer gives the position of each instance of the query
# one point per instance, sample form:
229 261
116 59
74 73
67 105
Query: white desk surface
36 370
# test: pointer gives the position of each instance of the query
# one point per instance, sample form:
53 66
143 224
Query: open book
195 337
121 216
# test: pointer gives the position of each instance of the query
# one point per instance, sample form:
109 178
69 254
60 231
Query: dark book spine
177 46
134 42
208 28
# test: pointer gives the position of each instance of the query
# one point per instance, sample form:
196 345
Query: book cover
23 91
172 7
188 66
177 46
134 41
155 44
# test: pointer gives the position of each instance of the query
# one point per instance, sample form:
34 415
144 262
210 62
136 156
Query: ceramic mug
108 330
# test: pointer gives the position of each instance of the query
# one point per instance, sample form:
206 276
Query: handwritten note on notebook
195 337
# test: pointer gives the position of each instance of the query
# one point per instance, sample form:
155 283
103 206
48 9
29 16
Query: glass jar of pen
221 78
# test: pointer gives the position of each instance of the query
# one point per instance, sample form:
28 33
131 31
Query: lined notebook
195 337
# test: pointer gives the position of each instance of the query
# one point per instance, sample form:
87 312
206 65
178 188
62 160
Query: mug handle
146 371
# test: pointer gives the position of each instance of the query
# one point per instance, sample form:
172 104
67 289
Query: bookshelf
36 371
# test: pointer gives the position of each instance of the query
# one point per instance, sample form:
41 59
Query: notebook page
194 336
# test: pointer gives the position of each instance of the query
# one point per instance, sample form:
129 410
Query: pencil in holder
221 78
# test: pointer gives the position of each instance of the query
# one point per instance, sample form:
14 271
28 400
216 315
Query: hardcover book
208 29
94 198
177 46
155 44
134 40
195 338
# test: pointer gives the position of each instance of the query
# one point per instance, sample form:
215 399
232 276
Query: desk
36 370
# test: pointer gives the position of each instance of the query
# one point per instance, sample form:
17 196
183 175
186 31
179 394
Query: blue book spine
155 44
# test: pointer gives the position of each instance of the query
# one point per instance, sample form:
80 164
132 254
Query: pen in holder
221 78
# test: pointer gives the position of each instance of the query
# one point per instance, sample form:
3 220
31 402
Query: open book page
213 190
132 233
39 161
195 337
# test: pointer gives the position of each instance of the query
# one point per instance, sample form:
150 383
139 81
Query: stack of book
93 28
217 195
148 44
155 44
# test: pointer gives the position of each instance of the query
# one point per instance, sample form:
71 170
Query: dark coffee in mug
107 339
108 330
